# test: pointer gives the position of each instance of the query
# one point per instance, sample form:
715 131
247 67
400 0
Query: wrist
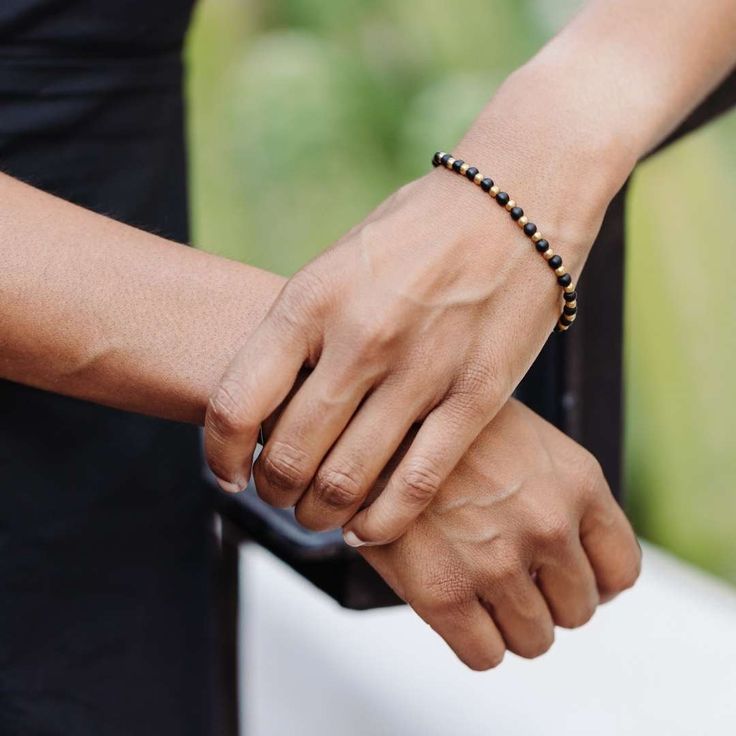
538 143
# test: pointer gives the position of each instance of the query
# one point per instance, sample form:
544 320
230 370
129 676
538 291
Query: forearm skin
565 130
101 311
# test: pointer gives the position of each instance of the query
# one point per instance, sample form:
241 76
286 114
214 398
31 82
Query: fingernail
352 539
230 487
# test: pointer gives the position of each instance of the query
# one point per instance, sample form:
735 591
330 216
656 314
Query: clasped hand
386 365
407 320
523 536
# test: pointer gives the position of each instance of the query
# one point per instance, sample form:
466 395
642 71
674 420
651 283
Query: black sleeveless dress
105 538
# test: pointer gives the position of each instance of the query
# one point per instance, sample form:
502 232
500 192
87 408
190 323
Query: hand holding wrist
429 311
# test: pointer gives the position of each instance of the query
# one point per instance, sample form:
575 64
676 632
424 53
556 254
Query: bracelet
564 279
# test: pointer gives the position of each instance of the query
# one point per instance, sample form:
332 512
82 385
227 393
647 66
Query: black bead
555 262
571 297
458 163
445 159
471 173
529 229
516 213
486 184
564 280
558 329
541 245
502 198
436 159
570 310
565 321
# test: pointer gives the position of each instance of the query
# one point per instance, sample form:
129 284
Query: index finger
443 439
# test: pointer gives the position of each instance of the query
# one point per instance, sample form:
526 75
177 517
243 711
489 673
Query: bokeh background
304 114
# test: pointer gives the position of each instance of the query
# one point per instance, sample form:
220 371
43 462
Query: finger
569 587
306 430
469 631
442 440
461 620
520 612
254 384
612 548
349 473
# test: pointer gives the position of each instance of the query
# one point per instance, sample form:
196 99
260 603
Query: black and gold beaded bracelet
564 279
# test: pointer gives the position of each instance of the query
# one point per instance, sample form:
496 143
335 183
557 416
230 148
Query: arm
433 309
600 95
101 311
98 310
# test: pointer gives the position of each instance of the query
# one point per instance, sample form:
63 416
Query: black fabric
105 535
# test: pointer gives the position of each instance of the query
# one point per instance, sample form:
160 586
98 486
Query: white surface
661 659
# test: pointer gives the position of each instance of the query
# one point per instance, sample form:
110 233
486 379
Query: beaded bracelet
564 279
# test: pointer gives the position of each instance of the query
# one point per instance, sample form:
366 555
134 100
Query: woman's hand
430 311
524 535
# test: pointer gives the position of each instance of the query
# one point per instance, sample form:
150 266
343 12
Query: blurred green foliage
305 114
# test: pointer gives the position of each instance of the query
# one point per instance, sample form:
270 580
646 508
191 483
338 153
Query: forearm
95 309
647 63
565 130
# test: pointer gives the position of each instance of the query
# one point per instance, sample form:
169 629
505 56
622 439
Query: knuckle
476 378
419 483
450 604
466 408
282 467
592 480
374 340
504 573
477 388
384 330
554 532
337 489
301 307
227 409
444 593
306 290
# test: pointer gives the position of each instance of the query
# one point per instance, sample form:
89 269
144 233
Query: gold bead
569 288
510 205
561 327
522 221
536 237
560 271
571 317
450 162
464 168
573 303
478 178
493 191
548 253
